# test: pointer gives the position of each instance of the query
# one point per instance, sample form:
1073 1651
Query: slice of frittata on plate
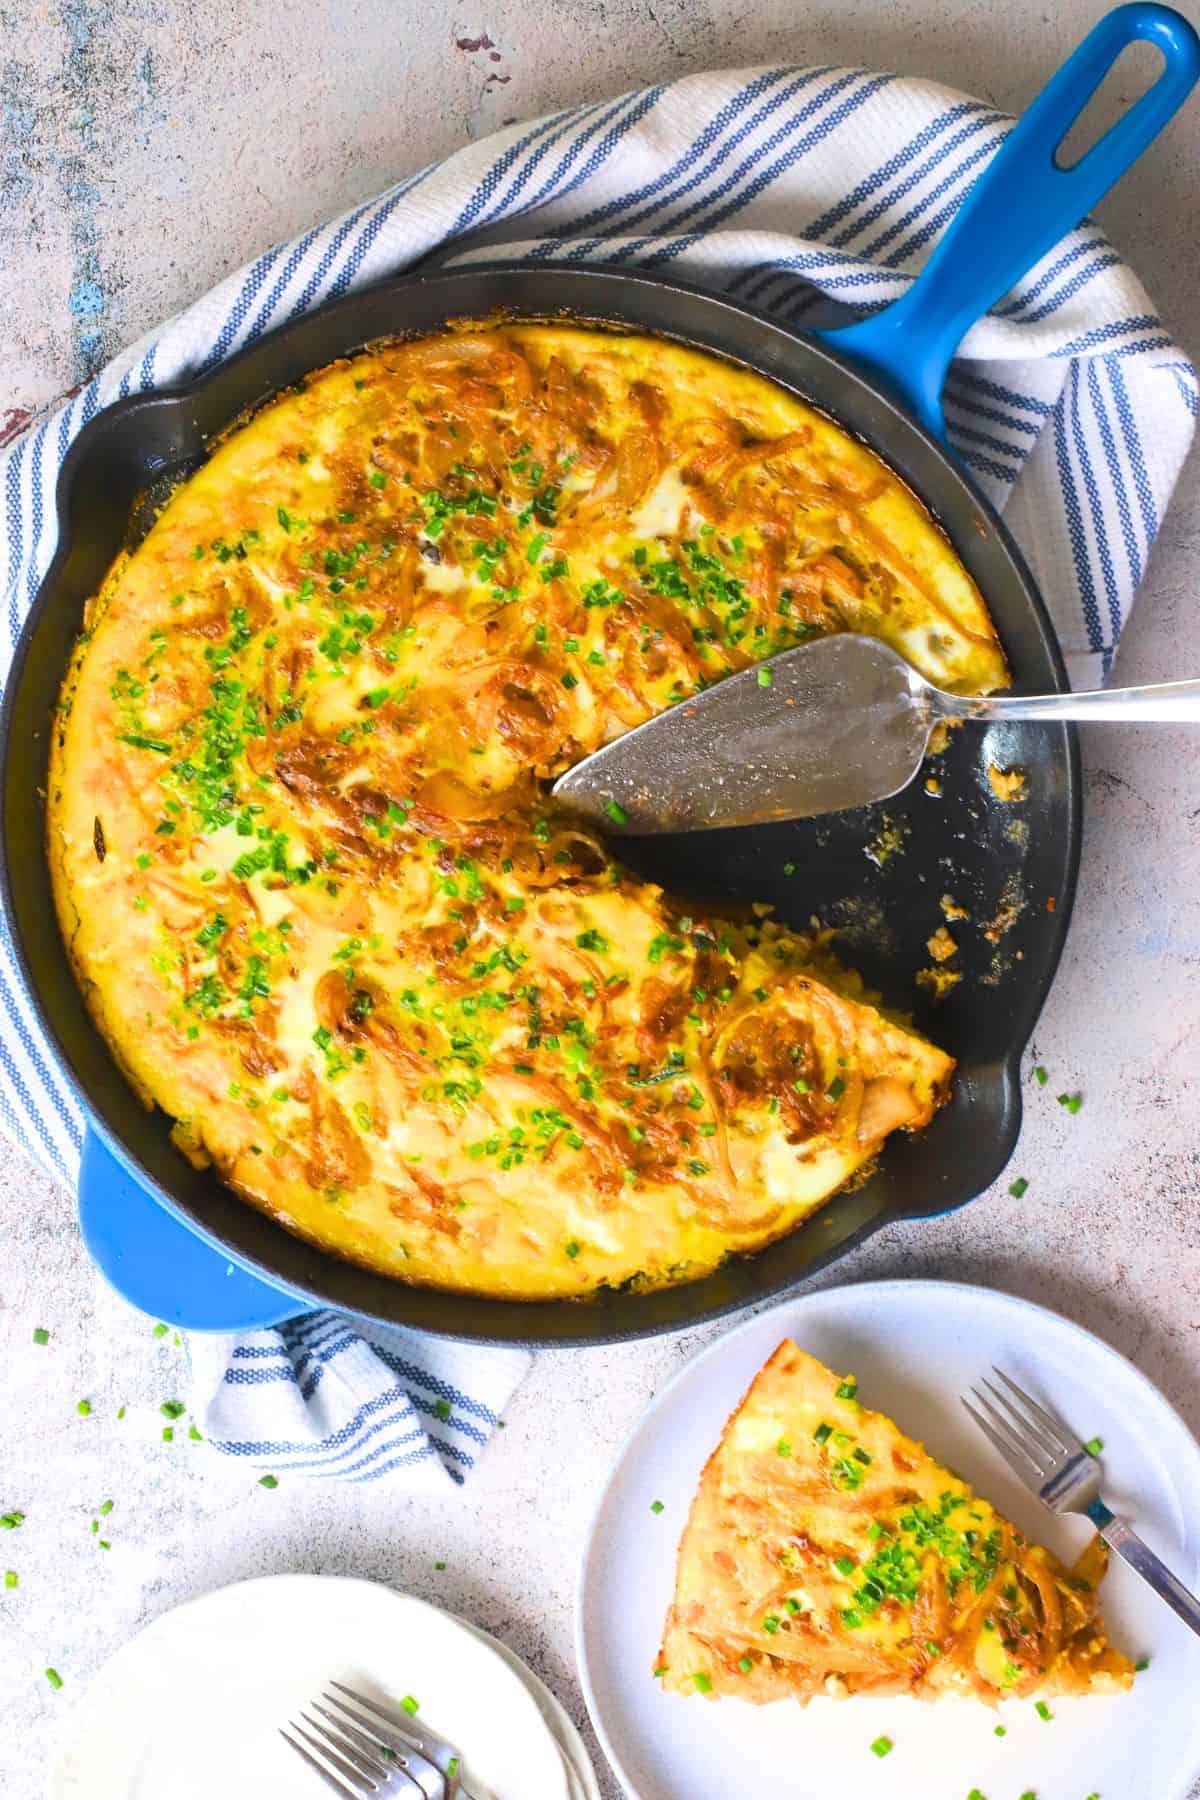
827 1553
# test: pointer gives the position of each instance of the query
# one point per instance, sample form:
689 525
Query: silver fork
374 1753
1048 1457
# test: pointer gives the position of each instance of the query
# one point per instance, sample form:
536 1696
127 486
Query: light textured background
147 148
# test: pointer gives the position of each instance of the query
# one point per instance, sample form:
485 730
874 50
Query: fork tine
403 1732
368 1759
1057 1429
329 1779
370 1747
1012 1452
358 1782
412 1752
1029 1432
387 1726
1009 1422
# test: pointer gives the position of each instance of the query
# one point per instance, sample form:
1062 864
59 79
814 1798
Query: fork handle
1124 1541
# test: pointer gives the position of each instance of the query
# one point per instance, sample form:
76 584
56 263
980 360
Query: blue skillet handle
160 1264
1020 207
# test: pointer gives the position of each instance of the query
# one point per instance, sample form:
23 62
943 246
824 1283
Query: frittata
305 865
827 1553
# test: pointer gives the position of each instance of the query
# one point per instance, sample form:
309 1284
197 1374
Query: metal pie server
837 723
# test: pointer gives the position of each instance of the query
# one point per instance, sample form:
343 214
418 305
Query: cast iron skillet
179 1243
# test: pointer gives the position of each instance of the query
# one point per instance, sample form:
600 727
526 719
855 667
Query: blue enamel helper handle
162 1265
1020 207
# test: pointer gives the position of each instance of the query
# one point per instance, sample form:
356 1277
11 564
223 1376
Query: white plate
914 1346
580 1773
191 1707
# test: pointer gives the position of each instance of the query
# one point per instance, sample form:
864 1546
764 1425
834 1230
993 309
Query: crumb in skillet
941 946
1008 785
938 981
887 841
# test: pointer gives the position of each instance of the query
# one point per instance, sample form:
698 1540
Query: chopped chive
765 678
661 1670
771 1624
792 1606
1143 1662
1072 1102
848 1388
120 1412
268 1481
439 1565
103 1544
168 1436
656 1506
1043 1711
410 1705
861 1455
172 1409
835 1090
702 1683
54 1678
452 1766
194 1435
160 1330
823 1432
105 1508
883 1746
572 1249
11 1578
845 1565
745 1665
1094 1446
83 1408
442 1408
1001 1731
1041 1076
783 1448
41 1335
932 1647
1018 1188
616 812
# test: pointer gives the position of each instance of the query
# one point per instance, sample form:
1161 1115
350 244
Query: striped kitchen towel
800 191
317 1397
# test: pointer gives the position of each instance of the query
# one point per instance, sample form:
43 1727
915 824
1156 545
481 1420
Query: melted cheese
300 843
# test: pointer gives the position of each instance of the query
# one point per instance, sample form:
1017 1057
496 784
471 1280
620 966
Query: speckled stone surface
146 148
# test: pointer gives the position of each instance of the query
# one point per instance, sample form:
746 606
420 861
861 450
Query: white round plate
915 1346
192 1706
580 1773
